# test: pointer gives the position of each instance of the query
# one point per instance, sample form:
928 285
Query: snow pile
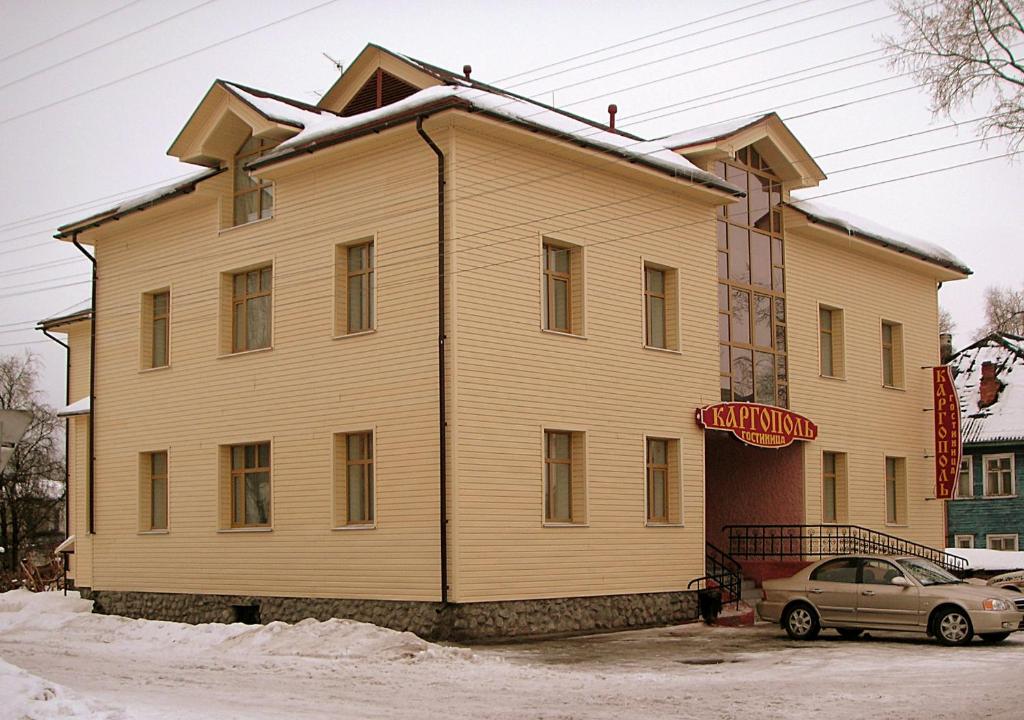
856 225
342 640
981 559
24 696
1004 419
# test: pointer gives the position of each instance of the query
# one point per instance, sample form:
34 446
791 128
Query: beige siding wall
857 415
78 339
296 396
515 380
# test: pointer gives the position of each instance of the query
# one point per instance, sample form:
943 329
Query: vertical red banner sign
947 432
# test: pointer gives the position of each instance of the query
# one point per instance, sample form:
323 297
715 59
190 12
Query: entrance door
881 604
833 589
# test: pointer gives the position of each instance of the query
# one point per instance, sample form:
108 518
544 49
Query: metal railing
778 542
723 573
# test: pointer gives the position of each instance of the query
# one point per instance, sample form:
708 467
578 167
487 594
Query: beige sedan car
853 593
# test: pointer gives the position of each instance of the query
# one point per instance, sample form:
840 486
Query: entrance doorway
746 485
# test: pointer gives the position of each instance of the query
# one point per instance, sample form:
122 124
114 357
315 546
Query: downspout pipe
90 482
442 413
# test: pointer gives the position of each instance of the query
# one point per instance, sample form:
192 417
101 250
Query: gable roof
80 311
1003 421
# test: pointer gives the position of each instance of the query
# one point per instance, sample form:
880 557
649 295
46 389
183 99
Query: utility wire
165 63
70 30
107 44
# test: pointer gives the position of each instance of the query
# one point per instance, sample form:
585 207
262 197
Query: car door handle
868 592
816 591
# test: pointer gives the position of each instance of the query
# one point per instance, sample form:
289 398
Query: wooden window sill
245 529
229 228
668 351
370 526
563 334
565 525
664 525
897 524
154 532
361 333
244 352
154 369
840 378
993 497
900 388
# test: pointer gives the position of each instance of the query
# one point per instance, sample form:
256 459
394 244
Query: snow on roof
79 407
83 308
981 559
708 133
318 127
1003 421
277 108
139 202
893 239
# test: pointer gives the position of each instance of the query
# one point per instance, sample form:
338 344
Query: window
354 483
157 308
830 342
664 491
254 199
751 290
251 293
895 491
1001 542
356 288
564 478
250 485
843 570
999 476
153 491
661 307
892 354
965 483
833 487
562 297
963 541
878 572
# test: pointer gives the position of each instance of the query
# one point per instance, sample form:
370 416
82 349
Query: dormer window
254 198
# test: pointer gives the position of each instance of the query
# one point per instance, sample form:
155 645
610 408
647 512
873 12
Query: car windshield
926 573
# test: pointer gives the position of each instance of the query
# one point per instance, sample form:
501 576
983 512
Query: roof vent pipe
612 109
467 70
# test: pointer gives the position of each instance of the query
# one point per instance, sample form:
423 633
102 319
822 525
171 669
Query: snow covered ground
57 660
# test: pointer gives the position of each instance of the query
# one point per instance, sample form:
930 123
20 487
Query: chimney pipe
467 70
612 109
990 385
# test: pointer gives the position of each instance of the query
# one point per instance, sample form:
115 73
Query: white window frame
968 538
1002 536
969 459
1013 474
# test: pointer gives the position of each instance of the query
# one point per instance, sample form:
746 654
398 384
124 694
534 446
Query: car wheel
953 627
849 633
801 622
994 637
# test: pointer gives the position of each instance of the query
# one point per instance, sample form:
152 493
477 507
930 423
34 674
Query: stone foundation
479 622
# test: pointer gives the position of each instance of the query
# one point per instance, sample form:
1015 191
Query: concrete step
731 616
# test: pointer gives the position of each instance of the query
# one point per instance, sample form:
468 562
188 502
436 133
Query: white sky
112 141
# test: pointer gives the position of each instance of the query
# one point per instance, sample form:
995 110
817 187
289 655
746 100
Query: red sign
947 432
760 425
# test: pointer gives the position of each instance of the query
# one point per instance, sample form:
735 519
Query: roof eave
69 319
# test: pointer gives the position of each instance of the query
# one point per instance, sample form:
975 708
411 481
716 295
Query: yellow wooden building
293 410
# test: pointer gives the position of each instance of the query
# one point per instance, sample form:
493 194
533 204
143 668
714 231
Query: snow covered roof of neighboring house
865 229
79 407
982 559
79 311
1003 421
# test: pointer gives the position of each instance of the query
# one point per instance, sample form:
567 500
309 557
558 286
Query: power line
69 30
107 44
915 154
665 42
165 63
623 43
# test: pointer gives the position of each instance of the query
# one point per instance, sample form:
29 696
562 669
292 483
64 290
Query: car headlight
997 604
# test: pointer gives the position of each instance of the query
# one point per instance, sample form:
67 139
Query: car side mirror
900 581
